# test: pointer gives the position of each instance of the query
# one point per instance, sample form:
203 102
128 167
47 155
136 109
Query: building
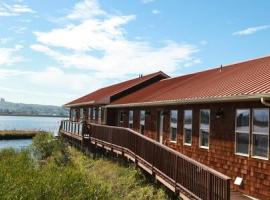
219 117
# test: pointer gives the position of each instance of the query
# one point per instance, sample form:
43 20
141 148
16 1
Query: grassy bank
52 170
18 134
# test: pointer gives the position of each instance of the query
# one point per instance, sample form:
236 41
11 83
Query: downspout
264 102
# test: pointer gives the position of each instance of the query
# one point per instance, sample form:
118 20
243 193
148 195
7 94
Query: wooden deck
188 178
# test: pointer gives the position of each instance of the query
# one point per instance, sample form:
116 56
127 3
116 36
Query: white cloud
251 30
7 10
8 56
148 1
99 43
155 12
86 9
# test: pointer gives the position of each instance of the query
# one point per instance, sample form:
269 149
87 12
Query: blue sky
54 51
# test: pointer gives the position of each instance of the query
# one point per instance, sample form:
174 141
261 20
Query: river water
50 124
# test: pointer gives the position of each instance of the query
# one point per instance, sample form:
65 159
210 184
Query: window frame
209 129
236 132
171 127
130 122
184 132
257 133
81 113
99 114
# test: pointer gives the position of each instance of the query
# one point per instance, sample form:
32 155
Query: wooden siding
221 153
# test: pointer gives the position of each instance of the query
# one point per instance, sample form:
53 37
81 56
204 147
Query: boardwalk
179 173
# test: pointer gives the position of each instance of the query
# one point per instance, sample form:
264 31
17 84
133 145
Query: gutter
264 102
79 104
195 101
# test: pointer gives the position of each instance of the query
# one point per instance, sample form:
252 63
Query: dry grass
18 134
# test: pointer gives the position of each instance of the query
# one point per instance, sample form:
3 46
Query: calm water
50 124
17 144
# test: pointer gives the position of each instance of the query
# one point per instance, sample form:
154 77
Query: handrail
193 177
168 149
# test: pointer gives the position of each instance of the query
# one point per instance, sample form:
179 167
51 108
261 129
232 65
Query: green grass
18 134
52 170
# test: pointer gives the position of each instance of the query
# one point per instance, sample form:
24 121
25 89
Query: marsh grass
52 170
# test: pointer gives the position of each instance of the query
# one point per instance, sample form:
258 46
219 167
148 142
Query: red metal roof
103 95
248 78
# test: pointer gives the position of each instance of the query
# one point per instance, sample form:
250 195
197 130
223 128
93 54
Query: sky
54 51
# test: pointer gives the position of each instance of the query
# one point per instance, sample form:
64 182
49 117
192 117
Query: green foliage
69 174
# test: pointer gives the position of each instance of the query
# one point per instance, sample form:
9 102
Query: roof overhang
79 104
238 98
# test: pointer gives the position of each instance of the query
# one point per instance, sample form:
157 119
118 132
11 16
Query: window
73 114
130 119
242 130
121 117
204 128
142 121
260 133
188 127
99 114
89 113
81 113
94 113
173 126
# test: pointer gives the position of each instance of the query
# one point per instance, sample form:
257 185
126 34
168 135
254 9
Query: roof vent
220 69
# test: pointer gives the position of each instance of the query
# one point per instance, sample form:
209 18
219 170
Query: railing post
209 186
176 174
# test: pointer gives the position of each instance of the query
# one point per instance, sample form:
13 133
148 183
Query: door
160 127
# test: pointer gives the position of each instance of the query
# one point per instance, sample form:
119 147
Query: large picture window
187 127
260 133
242 130
142 121
173 126
204 128
130 119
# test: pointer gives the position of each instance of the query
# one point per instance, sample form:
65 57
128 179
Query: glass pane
260 145
188 117
204 138
142 117
174 116
242 141
242 120
173 134
205 119
130 116
260 121
188 134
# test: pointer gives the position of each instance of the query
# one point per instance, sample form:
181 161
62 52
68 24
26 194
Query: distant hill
9 108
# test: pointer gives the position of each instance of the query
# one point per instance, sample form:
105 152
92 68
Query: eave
238 98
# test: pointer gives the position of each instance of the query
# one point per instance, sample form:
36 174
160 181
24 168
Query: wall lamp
220 113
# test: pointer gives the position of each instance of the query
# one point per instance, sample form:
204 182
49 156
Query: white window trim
257 133
201 146
187 144
246 132
173 125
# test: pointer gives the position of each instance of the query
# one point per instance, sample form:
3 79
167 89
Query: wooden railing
180 171
71 127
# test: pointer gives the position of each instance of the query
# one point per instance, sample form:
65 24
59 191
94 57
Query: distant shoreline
19 115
